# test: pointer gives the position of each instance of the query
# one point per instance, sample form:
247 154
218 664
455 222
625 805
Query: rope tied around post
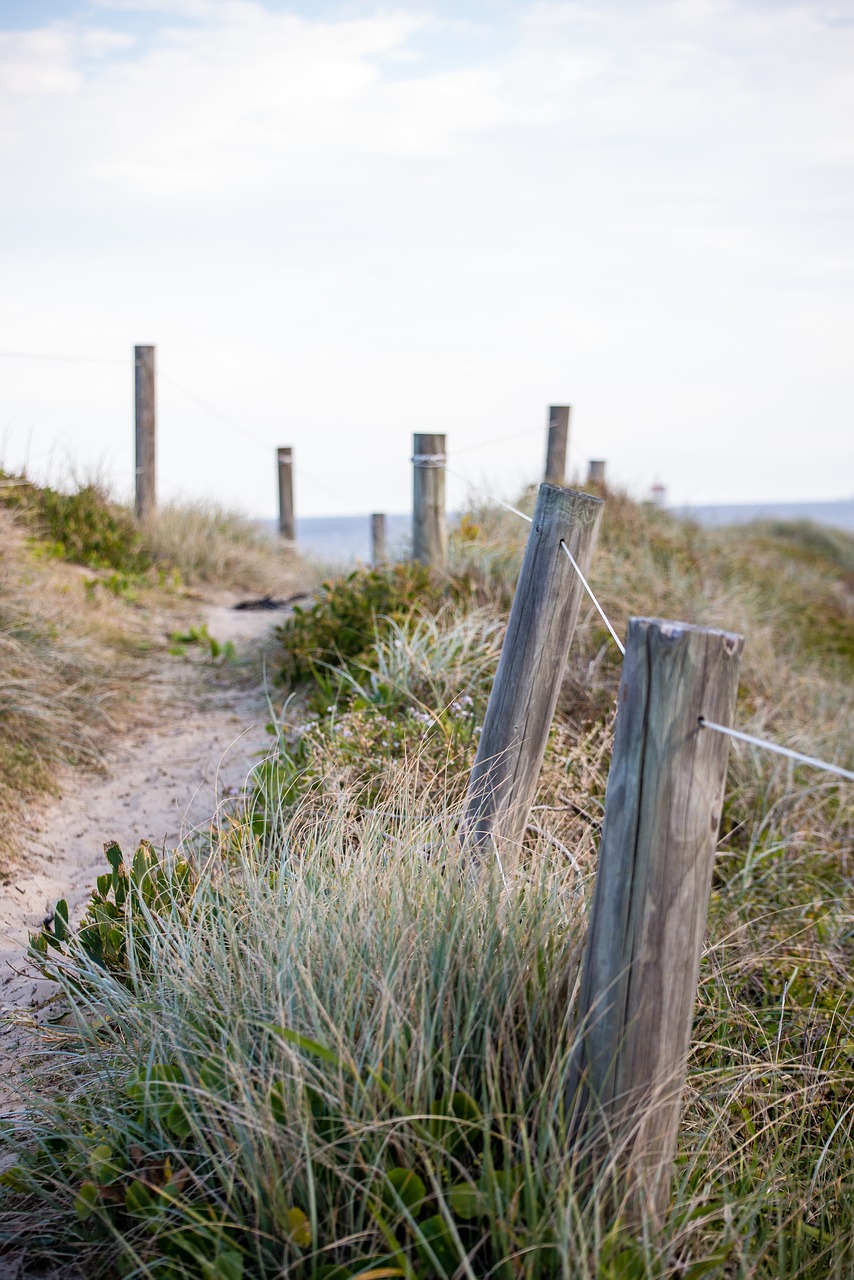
428 459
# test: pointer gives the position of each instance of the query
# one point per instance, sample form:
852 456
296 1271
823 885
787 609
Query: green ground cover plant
191 543
83 526
322 1046
340 623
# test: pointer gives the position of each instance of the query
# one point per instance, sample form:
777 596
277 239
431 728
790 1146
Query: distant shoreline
346 540
838 515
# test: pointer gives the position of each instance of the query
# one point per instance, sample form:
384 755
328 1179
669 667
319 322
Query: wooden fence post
429 530
596 472
662 813
287 522
530 670
145 420
378 540
557 444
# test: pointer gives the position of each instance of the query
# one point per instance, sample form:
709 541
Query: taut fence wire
763 744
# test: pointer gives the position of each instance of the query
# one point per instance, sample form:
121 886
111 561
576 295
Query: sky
344 222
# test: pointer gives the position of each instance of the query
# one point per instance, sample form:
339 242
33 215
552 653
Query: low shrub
341 623
83 526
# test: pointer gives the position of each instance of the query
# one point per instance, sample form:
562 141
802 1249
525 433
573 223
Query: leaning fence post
557 444
526 687
378 539
287 522
429 530
662 813
145 423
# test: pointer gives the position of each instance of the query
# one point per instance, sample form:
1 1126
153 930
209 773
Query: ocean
340 541
346 540
838 515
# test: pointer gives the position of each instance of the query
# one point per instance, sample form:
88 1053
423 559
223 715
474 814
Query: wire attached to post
60 359
617 641
488 496
778 750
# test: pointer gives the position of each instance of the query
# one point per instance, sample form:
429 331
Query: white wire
780 751
38 355
488 444
488 496
617 641
203 404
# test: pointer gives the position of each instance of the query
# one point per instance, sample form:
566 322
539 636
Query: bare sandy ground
165 779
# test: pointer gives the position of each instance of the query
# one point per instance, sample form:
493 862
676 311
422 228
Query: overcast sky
344 222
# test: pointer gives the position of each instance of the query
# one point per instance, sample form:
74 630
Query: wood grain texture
558 443
429 527
533 656
145 421
287 516
378 538
662 814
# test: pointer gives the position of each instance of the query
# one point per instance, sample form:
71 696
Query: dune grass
197 543
84 592
54 698
214 547
324 1047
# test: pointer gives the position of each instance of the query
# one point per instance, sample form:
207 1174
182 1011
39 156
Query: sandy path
164 780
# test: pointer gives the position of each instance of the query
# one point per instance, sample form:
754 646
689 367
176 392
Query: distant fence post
533 657
378 541
557 444
596 472
287 522
429 530
146 421
641 966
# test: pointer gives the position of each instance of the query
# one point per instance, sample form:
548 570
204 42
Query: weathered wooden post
429 530
557 444
287 522
596 472
527 683
378 541
662 813
145 420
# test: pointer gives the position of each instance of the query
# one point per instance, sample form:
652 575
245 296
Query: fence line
763 743
434 460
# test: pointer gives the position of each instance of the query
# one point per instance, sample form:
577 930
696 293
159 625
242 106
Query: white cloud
644 208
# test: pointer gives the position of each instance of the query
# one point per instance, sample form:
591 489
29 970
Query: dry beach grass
314 1046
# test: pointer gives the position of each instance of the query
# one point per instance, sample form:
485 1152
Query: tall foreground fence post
533 657
429 529
662 814
557 444
145 422
378 538
287 521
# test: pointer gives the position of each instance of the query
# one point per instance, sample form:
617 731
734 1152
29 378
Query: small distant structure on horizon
658 495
